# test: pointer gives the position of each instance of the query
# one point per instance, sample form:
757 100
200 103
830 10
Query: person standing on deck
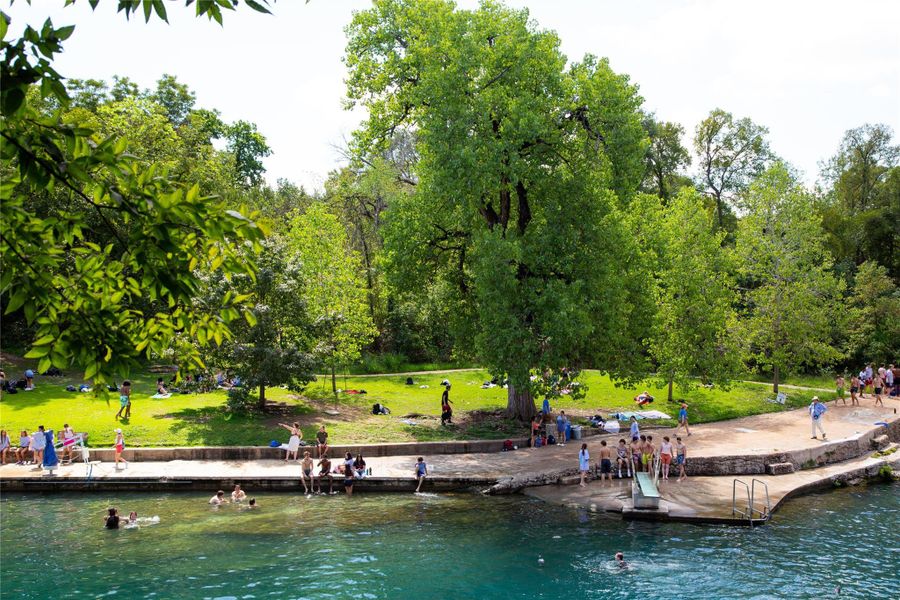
635 430
839 388
561 422
816 412
584 463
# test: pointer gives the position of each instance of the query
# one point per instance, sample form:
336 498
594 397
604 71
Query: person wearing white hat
120 447
816 412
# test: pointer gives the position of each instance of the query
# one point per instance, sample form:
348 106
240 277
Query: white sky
806 69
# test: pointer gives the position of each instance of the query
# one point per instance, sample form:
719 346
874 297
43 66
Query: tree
522 167
81 296
862 205
271 347
249 148
333 290
792 306
176 98
692 333
731 153
873 327
665 158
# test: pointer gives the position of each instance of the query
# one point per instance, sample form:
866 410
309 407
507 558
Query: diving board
644 492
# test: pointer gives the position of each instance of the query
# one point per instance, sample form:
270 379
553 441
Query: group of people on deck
885 381
638 456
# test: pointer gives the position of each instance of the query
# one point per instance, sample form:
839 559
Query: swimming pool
447 546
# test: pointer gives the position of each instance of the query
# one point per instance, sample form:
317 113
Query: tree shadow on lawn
213 426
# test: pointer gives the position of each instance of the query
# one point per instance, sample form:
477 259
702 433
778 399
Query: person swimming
620 561
111 521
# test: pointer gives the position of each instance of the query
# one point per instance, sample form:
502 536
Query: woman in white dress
293 446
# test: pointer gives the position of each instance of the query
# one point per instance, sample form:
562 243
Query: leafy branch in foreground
100 306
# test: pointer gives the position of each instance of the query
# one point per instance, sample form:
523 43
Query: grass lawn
824 381
201 419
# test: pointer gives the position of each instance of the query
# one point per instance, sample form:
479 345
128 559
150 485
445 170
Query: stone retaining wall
806 458
267 453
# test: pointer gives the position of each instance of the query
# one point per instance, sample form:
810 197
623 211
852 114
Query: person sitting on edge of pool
218 499
238 495
324 465
111 521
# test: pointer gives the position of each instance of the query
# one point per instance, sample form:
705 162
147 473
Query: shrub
240 400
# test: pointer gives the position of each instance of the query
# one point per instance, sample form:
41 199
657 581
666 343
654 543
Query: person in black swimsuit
112 519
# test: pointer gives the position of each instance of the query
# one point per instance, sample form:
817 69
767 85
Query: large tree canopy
100 246
523 168
790 293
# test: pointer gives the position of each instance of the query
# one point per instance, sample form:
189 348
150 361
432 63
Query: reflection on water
448 546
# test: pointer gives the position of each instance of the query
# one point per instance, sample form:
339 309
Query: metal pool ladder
750 511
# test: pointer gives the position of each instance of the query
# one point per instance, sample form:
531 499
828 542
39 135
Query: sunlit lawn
201 419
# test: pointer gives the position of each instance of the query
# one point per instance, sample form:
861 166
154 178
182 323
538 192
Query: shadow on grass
215 426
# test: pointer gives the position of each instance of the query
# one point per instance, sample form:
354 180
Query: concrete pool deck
717 453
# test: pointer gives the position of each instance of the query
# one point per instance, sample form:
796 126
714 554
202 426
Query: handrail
734 508
768 506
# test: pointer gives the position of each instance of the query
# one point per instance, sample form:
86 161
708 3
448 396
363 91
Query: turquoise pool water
434 547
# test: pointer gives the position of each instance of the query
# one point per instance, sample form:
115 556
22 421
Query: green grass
201 419
822 380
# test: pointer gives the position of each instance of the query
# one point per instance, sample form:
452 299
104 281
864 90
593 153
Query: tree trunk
333 381
775 386
671 379
519 404
262 396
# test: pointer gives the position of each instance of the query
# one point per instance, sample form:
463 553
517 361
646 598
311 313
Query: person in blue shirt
635 430
421 472
816 412
29 379
584 463
683 418
561 422
546 407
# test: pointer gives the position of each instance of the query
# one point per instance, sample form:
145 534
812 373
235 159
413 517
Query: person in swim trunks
349 479
665 456
647 452
854 390
324 465
306 472
636 445
605 462
622 458
680 457
877 385
839 388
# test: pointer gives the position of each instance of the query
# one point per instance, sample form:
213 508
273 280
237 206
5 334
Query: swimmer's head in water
620 556
252 501
111 510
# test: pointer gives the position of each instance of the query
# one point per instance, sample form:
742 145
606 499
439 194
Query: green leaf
148 7
63 33
38 352
12 100
257 6
160 9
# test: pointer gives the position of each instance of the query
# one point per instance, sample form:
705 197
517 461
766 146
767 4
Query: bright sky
806 69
